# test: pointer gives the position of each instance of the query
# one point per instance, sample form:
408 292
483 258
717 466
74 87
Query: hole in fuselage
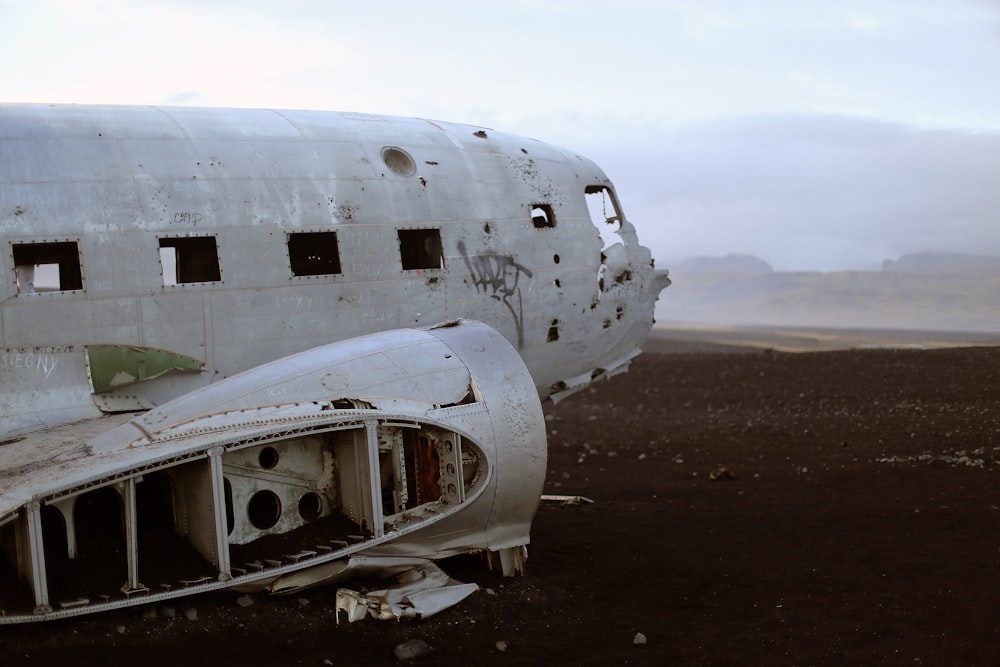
264 509
310 506
553 332
268 458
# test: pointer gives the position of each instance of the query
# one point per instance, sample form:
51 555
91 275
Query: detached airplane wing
410 443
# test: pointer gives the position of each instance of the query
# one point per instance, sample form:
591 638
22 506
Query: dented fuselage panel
235 485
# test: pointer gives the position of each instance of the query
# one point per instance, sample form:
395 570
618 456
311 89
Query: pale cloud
725 125
143 52
810 192
860 22
639 62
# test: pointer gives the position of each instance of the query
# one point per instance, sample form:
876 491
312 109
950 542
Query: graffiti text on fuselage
499 276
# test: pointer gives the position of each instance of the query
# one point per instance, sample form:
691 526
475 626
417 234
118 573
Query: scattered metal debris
422 589
565 500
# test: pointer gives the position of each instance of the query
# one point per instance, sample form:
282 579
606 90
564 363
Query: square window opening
542 216
421 249
47 267
313 253
193 259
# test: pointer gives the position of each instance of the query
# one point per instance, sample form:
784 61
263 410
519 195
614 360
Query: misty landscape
801 466
926 291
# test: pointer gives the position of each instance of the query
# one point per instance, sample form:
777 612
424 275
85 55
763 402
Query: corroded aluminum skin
115 180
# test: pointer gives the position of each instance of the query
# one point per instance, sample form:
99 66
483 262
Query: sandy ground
861 525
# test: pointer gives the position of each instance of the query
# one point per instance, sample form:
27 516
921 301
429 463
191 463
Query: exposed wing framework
390 445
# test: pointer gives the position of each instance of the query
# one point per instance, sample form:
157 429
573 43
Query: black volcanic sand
862 527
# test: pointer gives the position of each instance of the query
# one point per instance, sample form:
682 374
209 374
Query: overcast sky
817 135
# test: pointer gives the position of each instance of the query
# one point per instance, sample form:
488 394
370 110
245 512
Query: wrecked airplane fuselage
388 445
148 252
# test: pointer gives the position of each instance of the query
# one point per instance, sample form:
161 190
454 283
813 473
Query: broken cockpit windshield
604 213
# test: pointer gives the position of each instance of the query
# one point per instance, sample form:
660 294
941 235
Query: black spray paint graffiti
498 276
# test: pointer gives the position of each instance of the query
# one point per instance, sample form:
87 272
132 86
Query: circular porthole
268 458
310 506
264 509
399 161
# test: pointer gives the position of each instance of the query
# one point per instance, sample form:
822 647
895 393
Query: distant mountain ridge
935 291
731 263
942 262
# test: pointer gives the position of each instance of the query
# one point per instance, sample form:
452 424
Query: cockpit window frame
608 226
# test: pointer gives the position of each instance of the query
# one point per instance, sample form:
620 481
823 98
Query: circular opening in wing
264 509
310 506
268 458
399 161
